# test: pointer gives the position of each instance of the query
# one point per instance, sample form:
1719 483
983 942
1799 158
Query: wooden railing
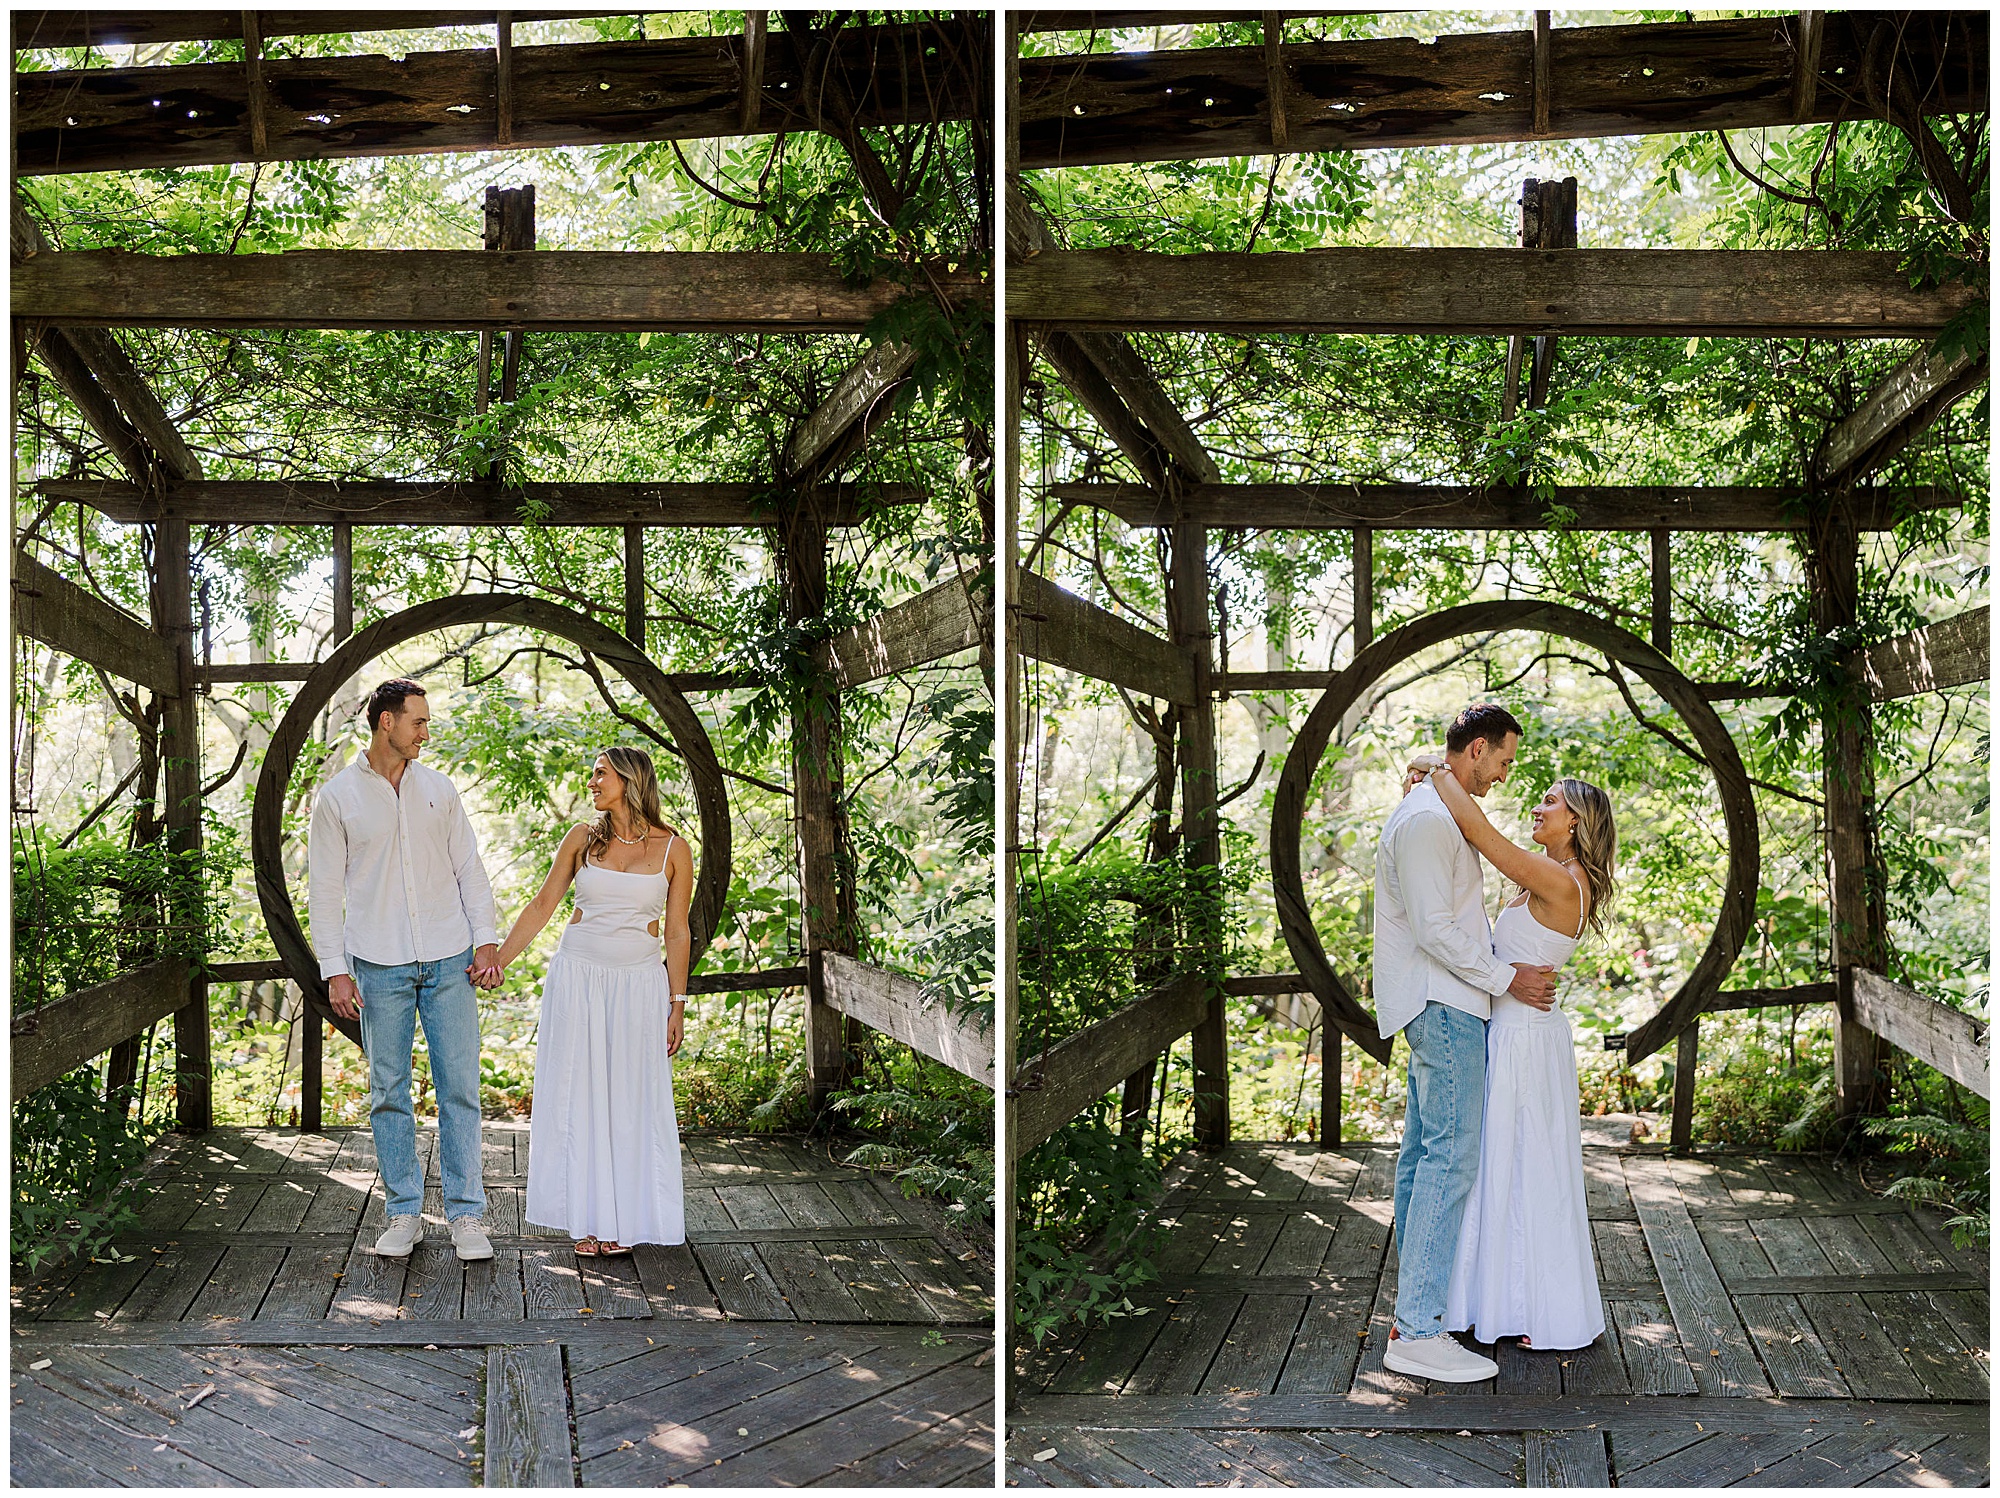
896 1006
1075 1072
65 1033
1954 1042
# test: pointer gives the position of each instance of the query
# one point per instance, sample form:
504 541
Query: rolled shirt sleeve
326 883
1425 847
475 893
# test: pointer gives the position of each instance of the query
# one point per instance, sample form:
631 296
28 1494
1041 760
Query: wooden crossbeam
1395 92
50 608
950 617
283 502
1605 293
107 119
63 1035
1909 401
895 1005
93 402
604 291
1956 1043
1053 1088
1452 507
1053 625
112 28
1954 652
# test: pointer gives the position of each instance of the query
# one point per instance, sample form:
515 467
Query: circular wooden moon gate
281 760
1738 808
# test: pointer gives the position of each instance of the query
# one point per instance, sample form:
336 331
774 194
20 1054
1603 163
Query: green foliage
929 1126
72 1163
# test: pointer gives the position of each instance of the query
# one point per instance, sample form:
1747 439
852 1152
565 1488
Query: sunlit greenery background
517 722
1621 411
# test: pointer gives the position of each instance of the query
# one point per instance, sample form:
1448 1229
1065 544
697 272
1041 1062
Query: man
1435 974
402 917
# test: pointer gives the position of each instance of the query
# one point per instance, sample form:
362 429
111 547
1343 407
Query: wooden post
1855 880
1364 587
1009 841
1542 76
750 106
1201 836
823 877
180 754
635 585
1681 1136
257 104
312 1033
1663 586
1809 38
1274 76
503 78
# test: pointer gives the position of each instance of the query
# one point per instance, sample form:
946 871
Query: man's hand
486 970
1534 985
344 996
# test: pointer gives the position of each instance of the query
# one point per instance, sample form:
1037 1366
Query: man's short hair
1483 720
389 698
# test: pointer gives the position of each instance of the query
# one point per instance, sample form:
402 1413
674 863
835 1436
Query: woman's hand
675 1026
1420 768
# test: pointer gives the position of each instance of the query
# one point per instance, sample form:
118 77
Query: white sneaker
1441 1358
468 1236
404 1234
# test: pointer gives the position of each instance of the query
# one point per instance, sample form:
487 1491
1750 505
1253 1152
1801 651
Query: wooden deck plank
493 1288
1845 1459
282 1208
237 1286
551 1284
1721 1460
1401 1461
810 1285
878 1287
44 1451
1076 1459
338 1202
815 1452
1720 1352
751 1205
1183 1459
1327 1348
706 1376
1107 1354
1598 1368
98 1289
1524 1371
434 1287
1370 1374
370 1403
743 1282
611 1287
1187 1343
371 1287
674 1284
1242 1244
959 1293
1253 1354
1566 1459
1295 1460
1798 1361
1861 1349
1928 1344
950 1453
303 1288
527 1419
1954 1462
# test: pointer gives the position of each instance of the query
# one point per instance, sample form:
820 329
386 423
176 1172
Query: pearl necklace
630 842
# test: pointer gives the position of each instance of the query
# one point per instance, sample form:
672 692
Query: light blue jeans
1440 1160
392 1000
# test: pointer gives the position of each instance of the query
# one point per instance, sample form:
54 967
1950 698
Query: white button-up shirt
1432 939
393 875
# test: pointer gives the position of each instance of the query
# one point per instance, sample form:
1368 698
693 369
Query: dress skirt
604 1148
1524 1265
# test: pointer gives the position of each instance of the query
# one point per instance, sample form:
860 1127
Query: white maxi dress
1524 1265
604 1149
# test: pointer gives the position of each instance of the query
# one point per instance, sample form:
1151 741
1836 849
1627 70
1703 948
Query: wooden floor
816 1328
1768 1322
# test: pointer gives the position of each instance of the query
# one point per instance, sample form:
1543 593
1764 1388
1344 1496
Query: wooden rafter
1052 624
750 108
1640 293
1954 652
588 290
50 608
302 502
860 399
1453 90
1449 507
127 119
1909 401
111 28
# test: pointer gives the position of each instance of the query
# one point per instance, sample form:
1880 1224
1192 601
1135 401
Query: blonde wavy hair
1596 841
642 795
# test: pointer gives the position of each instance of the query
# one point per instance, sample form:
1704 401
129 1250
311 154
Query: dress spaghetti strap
1582 903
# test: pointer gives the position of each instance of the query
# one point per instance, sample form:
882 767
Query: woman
604 1150
1524 1265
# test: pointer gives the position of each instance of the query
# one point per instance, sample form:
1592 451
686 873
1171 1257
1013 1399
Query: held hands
486 970
344 996
1419 770
1534 985
675 1026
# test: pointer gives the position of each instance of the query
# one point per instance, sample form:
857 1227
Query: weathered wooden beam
107 119
99 411
953 616
180 811
284 502
503 78
1541 76
1394 92
635 584
1808 40
1274 77
50 608
1454 508
1056 1086
1767 998
67 1032
747 982
1954 652
1905 404
1192 633
1114 384
895 1005
1054 625
750 108
860 398
272 672
589 290
1957 1044
54 29
256 102
1600 293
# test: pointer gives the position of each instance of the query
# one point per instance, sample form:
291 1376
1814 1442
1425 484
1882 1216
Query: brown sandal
612 1250
588 1248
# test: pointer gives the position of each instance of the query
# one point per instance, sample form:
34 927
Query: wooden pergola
1072 309
838 80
